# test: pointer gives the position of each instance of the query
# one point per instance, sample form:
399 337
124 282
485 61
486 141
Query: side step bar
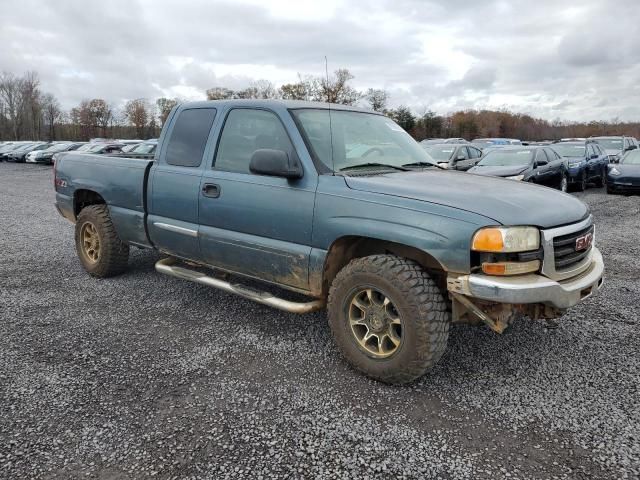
168 267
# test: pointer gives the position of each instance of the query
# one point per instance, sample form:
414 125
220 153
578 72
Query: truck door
174 184
253 224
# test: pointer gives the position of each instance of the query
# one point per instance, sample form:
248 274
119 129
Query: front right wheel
388 318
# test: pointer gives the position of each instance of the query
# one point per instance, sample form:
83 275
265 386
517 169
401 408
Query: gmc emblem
584 242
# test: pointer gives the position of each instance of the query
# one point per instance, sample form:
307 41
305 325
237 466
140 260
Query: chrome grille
564 249
561 260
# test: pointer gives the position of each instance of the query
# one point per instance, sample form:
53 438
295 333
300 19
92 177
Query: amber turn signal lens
488 240
510 268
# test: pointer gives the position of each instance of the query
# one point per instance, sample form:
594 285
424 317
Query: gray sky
576 60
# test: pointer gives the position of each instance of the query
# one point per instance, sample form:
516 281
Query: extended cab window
189 137
245 131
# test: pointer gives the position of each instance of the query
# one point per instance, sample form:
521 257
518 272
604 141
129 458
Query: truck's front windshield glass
358 139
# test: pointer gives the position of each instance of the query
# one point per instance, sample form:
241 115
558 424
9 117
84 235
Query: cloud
549 58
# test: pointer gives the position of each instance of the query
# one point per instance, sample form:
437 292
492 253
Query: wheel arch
349 247
83 198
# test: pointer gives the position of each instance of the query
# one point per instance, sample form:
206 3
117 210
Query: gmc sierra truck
342 206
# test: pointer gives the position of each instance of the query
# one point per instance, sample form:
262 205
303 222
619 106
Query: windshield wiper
385 165
423 164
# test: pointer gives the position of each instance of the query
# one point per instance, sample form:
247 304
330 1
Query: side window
245 131
189 137
474 152
551 154
541 157
462 152
591 150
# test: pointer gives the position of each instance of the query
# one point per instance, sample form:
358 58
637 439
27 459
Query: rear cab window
188 139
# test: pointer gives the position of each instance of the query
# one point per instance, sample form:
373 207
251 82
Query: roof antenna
326 72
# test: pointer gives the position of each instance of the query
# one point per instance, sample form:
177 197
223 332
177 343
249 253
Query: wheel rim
563 184
375 323
90 242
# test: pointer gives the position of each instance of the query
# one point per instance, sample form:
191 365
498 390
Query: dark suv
616 146
586 162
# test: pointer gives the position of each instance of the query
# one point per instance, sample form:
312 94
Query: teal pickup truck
342 206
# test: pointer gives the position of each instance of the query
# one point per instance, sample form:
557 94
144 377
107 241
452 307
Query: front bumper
38 160
533 288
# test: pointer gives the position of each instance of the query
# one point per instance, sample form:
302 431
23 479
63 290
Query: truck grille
564 249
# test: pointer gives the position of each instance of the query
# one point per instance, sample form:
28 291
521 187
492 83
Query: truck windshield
358 138
506 158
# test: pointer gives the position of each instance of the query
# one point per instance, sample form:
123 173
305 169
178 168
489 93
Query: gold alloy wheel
375 323
90 242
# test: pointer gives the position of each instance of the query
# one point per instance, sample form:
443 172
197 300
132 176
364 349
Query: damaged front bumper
524 293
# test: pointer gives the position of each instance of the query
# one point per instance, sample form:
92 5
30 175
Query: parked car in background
432 141
455 157
46 155
541 165
586 162
624 177
483 143
148 147
616 146
5 150
20 155
100 148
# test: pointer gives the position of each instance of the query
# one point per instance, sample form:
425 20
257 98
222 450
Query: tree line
29 113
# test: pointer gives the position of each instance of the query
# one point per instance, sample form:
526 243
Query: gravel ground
145 375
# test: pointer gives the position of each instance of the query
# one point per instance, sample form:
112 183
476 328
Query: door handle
211 190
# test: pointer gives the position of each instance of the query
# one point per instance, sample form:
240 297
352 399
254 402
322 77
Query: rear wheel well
84 198
345 249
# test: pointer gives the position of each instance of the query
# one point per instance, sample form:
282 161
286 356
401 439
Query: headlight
614 171
506 239
516 177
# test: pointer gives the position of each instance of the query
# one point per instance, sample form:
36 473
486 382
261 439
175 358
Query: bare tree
52 114
32 111
165 105
101 114
293 91
219 93
377 99
137 112
336 89
11 92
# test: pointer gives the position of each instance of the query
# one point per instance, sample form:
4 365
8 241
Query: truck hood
499 170
507 202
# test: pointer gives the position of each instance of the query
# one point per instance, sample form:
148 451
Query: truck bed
120 181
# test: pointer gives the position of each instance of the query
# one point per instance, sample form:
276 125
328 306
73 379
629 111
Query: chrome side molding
176 229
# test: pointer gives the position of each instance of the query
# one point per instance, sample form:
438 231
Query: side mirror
275 163
539 163
595 155
631 147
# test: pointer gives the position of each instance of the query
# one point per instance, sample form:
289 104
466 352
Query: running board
168 267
